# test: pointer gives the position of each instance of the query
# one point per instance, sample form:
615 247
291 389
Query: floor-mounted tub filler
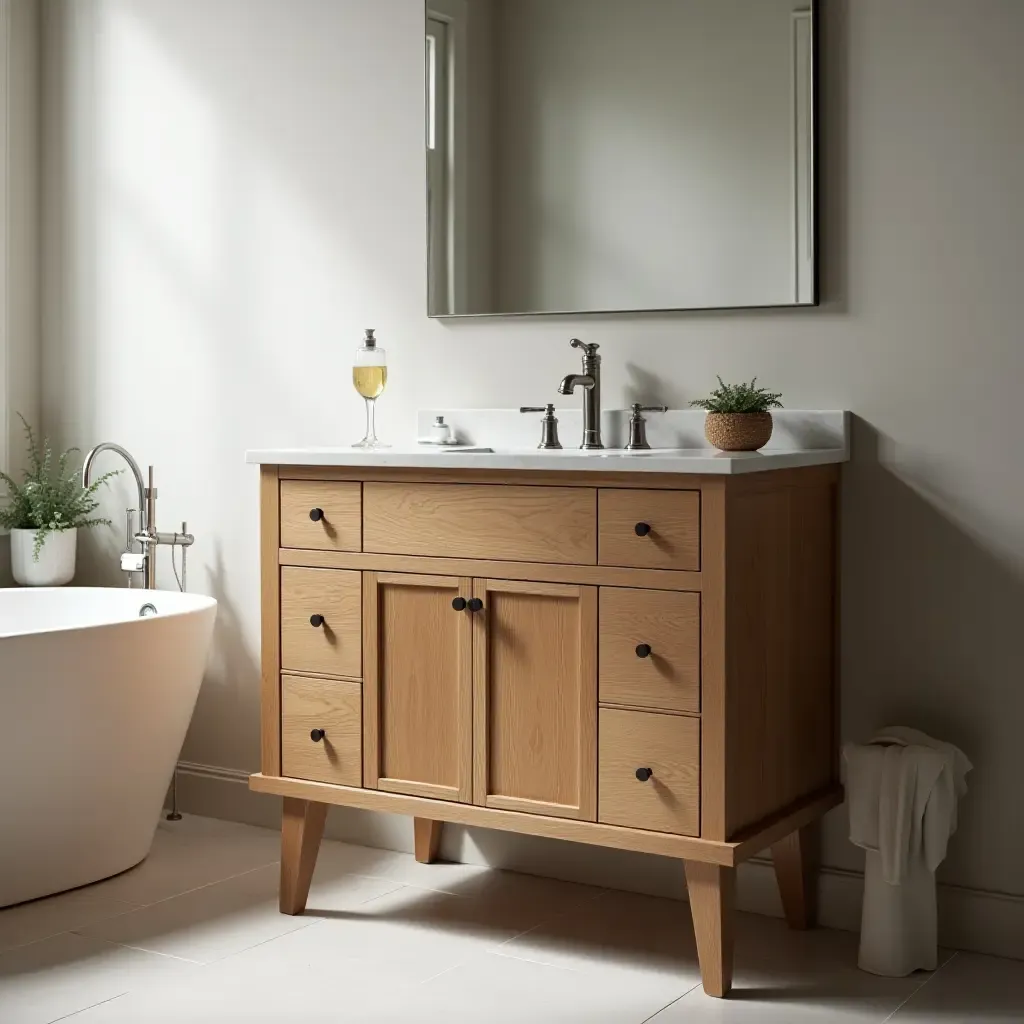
97 687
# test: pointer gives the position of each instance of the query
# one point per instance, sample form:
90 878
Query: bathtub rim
192 604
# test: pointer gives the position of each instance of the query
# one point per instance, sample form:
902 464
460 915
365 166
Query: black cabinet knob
642 529
316 735
475 604
316 621
459 604
643 774
643 650
316 514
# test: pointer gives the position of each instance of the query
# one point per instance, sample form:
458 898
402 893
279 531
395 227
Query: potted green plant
44 514
738 417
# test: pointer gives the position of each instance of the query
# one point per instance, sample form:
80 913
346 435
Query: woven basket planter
738 431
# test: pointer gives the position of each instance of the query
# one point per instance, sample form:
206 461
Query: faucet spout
590 381
146 564
132 465
572 381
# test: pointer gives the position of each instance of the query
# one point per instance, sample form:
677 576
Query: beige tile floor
193 936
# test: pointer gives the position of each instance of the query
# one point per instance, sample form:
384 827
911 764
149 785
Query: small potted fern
44 514
738 416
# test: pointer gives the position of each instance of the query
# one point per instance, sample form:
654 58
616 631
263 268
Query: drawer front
321 615
650 648
321 514
521 524
668 745
334 706
649 529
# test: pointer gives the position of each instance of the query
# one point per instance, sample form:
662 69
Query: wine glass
369 376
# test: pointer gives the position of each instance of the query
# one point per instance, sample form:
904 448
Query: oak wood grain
426 839
713 641
586 575
335 647
627 480
341 526
669 623
270 622
780 594
618 837
669 745
527 823
795 858
674 538
535 697
421 683
336 708
302 828
712 893
525 524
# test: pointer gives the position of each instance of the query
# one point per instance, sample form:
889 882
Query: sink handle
548 426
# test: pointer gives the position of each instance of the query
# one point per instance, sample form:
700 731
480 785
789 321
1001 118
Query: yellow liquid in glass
369 381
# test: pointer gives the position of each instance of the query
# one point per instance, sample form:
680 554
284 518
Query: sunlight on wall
159 143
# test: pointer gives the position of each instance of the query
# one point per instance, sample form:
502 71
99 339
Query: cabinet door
417 685
535 698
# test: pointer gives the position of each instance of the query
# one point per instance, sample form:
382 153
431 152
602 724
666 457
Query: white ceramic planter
56 563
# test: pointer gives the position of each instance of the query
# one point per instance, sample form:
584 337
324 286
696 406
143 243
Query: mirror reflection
592 155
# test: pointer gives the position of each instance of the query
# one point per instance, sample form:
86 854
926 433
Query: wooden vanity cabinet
562 654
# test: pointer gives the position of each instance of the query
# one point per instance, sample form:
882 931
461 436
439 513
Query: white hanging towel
902 790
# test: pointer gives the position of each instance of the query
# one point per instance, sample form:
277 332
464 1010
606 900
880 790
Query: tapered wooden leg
712 891
427 836
302 828
796 862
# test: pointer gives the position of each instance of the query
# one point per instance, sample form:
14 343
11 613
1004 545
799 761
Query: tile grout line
84 1009
678 999
913 994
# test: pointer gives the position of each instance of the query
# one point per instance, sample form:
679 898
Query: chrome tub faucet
147 536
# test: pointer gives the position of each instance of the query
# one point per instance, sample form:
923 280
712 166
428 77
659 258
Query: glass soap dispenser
369 376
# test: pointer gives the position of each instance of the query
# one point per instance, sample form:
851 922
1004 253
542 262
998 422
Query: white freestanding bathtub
94 704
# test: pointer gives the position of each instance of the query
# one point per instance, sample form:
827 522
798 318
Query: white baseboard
970 919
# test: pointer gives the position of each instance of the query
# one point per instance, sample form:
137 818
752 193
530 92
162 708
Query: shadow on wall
930 624
233 674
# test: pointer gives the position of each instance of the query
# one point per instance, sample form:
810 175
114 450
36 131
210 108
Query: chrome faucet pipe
590 381
144 563
109 446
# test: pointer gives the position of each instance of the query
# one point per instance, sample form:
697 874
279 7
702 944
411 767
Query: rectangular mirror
596 155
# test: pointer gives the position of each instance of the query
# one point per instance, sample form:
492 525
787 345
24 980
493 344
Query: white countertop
800 439
679 460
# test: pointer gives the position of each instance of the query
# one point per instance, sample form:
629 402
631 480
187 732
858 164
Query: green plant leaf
739 398
48 501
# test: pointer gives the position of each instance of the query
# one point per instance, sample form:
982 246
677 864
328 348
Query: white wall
645 154
235 190
19 245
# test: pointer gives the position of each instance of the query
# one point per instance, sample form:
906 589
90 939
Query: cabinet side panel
780 608
714 760
270 610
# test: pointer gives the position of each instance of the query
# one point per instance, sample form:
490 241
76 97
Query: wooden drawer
673 539
522 524
339 525
336 707
334 647
669 745
668 624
